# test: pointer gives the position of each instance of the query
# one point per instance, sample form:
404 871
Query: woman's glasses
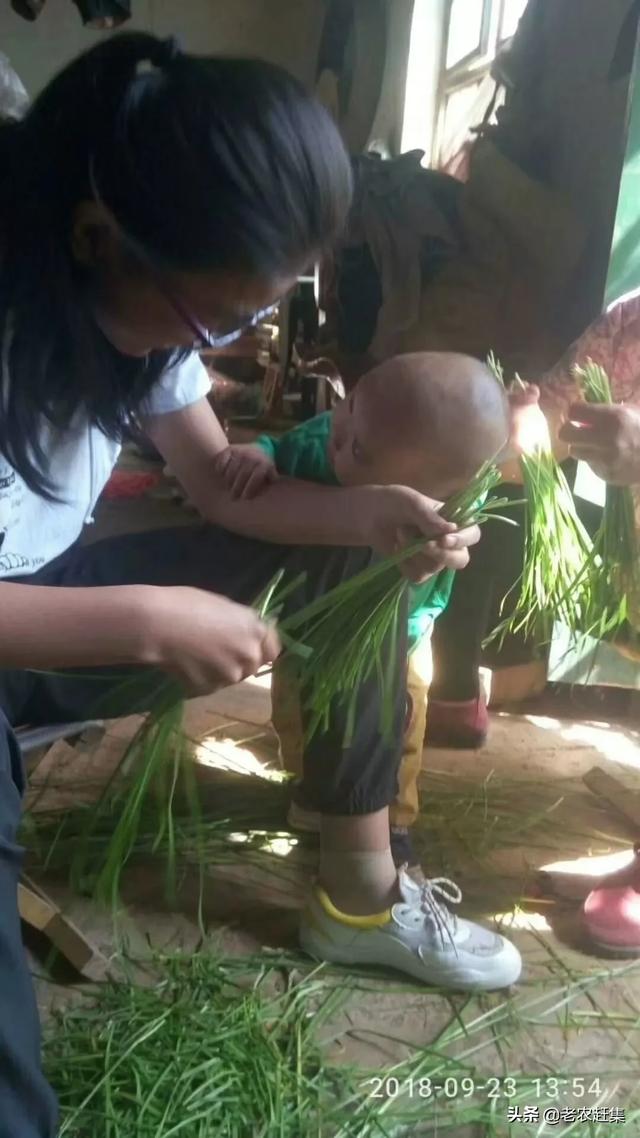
202 337
206 337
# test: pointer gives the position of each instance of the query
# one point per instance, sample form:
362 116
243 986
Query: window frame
473 67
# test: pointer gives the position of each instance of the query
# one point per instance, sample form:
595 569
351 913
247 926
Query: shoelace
433 892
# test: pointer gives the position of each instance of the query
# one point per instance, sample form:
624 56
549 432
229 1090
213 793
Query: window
475 30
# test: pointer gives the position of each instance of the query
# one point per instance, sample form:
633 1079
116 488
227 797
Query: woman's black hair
207 163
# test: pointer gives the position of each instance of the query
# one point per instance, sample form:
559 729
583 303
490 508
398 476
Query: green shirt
302 453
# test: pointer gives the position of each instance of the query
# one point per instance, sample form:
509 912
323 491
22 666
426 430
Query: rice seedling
553 585
139 801
216 820
239 1049
350 633
614 565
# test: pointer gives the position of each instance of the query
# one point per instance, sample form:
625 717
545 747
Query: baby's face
354 447
366 447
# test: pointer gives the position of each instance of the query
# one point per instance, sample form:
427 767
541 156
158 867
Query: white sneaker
418 935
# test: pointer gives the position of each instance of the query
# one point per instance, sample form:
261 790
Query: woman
151 202
608 438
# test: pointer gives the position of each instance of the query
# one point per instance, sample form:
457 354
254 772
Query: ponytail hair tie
164 54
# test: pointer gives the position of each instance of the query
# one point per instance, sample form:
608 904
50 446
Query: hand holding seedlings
615 566
204 640
399 517
552 585
608 438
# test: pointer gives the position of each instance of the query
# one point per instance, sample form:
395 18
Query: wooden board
40 912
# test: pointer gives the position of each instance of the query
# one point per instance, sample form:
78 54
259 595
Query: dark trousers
358 779
475 608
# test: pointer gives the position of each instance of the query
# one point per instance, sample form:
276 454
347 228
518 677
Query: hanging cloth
101 14
28 9
104 14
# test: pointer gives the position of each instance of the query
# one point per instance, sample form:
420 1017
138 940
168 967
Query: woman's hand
527 428
608 438
205 640
395 517
245 470
528 424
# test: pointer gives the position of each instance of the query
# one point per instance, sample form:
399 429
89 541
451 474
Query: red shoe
612 911
457 723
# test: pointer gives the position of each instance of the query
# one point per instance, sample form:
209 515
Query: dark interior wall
283 31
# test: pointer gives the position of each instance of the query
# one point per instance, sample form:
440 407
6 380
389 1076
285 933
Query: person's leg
286 714
357 870
27 1106
405 808
457 710
458 633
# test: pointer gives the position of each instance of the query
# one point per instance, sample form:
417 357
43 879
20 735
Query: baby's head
427 420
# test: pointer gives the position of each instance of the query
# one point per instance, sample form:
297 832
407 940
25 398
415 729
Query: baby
428 420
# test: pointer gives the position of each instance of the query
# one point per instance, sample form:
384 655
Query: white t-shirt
80 460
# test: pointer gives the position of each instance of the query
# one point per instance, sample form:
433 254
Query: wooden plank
40 912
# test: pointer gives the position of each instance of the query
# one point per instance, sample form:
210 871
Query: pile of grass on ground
240 1049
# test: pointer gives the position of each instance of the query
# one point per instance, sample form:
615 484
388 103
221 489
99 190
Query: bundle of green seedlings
350 633
553 585
189 820
613 568
155 772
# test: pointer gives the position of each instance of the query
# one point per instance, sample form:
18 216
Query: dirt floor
568 1037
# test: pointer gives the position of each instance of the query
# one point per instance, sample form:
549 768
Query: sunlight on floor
616 745
226 755
527 922
612 744
279 844
591 866
545 722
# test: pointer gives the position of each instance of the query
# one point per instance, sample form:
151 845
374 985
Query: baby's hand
245 470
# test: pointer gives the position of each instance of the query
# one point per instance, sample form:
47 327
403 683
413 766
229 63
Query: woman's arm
44 627
293 512
203 639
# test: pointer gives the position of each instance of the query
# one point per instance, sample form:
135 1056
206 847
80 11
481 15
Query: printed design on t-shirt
11 499
11 562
